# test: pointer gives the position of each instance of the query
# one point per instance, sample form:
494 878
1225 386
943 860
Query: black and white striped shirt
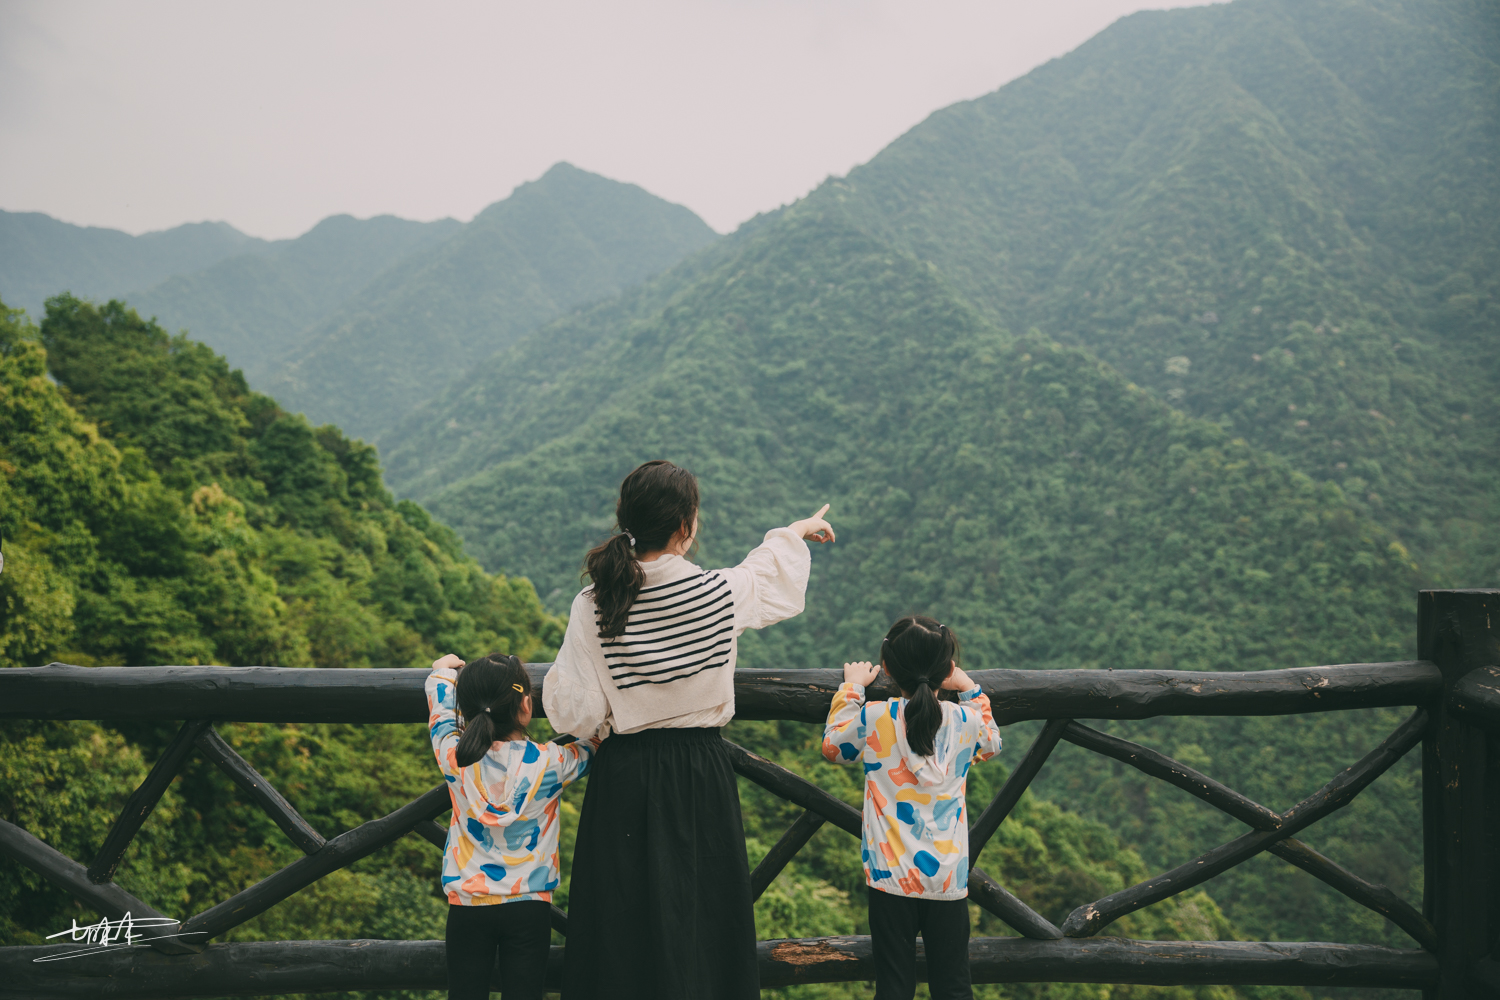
674 631
673 668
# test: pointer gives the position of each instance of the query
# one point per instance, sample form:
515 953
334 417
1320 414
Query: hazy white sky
272 115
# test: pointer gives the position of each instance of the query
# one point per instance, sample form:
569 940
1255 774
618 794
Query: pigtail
490 693
919 653
477 738
923 716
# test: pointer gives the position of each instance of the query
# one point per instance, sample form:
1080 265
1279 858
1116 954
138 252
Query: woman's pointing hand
814 529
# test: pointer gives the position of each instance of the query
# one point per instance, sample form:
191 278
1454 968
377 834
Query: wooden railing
1454 690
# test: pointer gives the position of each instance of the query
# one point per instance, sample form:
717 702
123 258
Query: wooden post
1459 630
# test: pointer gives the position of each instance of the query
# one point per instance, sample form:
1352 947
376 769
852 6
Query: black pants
519 933
659 904
895 922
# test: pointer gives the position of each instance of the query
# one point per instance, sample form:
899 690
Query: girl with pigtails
916 752
659 904
500 862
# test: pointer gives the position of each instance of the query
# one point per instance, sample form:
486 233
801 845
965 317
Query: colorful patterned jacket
915 834
502 842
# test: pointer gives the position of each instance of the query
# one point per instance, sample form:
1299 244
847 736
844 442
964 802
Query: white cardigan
584 697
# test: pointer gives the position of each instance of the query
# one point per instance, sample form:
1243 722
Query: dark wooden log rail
264 968
1455 688
291 694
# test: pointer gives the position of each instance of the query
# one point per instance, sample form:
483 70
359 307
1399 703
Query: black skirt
659 903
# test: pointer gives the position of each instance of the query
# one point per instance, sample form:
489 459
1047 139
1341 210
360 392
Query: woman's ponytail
919 653
490 692
657 501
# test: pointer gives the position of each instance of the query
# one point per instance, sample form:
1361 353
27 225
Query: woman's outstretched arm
770 585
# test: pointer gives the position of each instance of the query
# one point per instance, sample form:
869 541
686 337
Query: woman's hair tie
627 534
518 689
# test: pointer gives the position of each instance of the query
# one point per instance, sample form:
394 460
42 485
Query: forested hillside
41 256
154 510
1279 216
569 238
183 518
255 308
1245 426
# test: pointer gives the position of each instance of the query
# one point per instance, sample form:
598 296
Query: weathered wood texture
261 791
108 900
1459 631
1256 816
341 851
1377 897
268 968
1157 765
143 800
1476 697
1010 793
1090 918
289 694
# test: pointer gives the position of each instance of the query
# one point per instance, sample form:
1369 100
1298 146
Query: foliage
1279 216
155 510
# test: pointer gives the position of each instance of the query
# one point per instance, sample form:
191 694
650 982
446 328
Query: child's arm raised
844 735
979 718
442 711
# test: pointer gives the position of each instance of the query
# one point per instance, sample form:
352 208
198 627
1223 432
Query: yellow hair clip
518 689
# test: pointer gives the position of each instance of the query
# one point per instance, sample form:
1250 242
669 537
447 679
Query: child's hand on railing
448 662
957 681
814 529
862 673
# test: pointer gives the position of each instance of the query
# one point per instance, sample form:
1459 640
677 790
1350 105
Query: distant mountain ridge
568 238
357 322
41 256
256 308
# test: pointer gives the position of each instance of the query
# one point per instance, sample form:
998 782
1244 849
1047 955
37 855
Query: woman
659 902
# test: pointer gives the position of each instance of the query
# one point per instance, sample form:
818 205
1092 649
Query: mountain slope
1050 512
41 256
556 243
263 531
1279 216
253 308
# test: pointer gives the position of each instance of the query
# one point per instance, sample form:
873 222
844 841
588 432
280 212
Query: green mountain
556 243
157 510
1173 210
1279 216
154 510
41 256
255 308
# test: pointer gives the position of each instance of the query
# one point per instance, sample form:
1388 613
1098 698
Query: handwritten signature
107 934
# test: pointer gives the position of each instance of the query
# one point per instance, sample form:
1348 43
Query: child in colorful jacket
500 863
916 753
